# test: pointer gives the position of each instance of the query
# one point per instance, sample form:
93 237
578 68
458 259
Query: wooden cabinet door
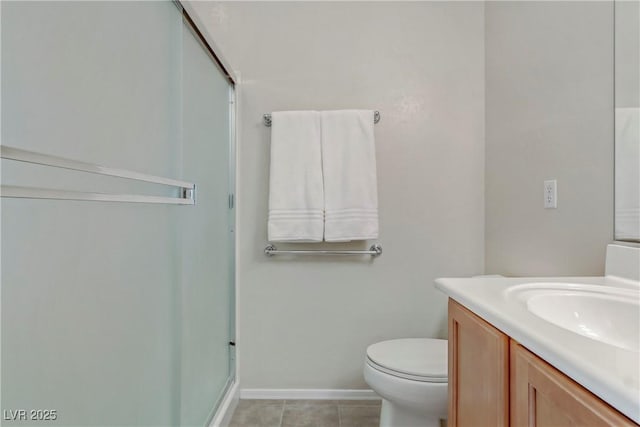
542 396
478 371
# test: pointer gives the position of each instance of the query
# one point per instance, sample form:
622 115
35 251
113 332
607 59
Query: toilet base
393 416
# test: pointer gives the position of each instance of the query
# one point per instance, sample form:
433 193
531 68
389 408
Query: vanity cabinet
478 371
495 381
543 396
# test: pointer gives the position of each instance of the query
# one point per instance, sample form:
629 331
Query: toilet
411 377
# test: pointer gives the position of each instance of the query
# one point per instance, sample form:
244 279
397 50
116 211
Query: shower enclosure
117 291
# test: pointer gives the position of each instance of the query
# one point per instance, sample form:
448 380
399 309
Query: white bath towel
296 199
349 171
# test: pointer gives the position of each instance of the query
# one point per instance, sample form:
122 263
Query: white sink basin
602 313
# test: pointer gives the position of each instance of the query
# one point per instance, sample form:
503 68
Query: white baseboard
222 418
318 394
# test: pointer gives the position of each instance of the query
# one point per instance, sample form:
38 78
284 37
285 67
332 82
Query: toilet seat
417 359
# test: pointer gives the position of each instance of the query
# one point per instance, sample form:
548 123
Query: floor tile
258 413
310 414
359 416
306 413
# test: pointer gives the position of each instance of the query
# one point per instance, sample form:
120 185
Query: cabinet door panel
478 371
542 396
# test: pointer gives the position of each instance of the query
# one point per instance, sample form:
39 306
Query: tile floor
306 413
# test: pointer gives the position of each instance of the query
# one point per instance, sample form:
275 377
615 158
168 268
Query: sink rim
527 293
523 291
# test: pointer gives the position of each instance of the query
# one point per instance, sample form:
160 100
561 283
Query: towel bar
186 190
267 118
374 251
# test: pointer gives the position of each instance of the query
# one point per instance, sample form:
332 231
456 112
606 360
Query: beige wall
306 322
549 115
547 70
627 47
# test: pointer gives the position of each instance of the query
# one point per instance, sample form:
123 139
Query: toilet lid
420 358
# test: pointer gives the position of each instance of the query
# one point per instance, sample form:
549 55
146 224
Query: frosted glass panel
205 230
79 336
88 307
114 313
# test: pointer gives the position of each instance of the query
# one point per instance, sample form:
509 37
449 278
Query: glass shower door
88 288
114 313
206 234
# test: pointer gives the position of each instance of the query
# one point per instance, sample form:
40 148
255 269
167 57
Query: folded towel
349 171
296 199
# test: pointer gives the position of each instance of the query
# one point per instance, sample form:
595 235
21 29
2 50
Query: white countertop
609 372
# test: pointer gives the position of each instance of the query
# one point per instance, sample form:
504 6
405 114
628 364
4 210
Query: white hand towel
296 198
349 170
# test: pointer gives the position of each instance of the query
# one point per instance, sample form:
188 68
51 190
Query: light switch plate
550 194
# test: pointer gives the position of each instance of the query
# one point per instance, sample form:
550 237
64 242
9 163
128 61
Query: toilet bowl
411 377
